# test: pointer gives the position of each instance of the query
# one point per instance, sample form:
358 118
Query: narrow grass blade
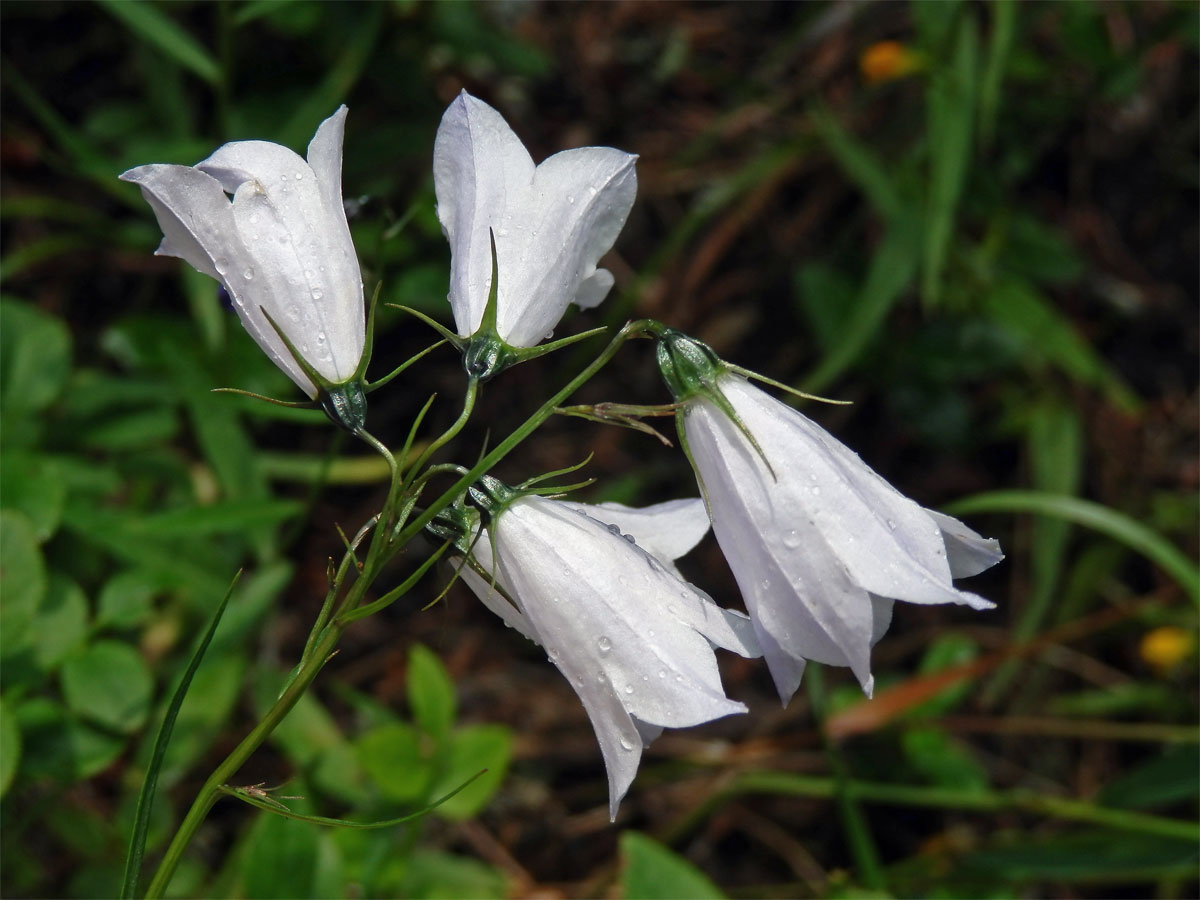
1097 517
951 115
156 28
145 802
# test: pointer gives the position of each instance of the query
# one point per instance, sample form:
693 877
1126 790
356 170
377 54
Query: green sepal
345 403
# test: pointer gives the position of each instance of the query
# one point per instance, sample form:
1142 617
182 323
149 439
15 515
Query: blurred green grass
991 251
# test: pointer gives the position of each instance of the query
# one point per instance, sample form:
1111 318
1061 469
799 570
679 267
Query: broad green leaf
31 483
220 518
10 747
1084 856
430 692
109 684
62 623
35 358
473 749
57 746
127 599
1099 518
128 430
430 875
397 761
150 23
950 104
650 871
279 859
306 730
22 581
1173 777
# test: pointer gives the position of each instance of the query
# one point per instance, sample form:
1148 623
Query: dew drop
662 673
317 293
614 529
629 688
816 489
630 538
321 338
248 274
293 312
604 644
891 523
570 198
221 264
791 540
299 176
626 744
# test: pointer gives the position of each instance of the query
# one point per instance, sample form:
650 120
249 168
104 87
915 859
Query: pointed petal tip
868 687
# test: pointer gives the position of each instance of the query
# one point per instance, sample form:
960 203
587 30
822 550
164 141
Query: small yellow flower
1167 646
887 61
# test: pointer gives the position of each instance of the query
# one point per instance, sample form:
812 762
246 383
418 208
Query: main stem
377 557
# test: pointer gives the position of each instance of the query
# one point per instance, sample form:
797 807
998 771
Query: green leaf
10 747
109 684
35 358
220 518
861 166
150 23
950 104
942 760
1099 518
1087 856
127 599
893 266
429 875
62 623
206 709
394 757
31 483
145 803
473 749
57 746
22 581
279 859
430 692
1000 41
1048 337
1173 777
650 871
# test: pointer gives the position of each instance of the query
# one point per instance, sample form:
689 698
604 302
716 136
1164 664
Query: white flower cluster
820 545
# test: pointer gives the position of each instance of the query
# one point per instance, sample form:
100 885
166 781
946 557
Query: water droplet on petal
248 274
570 198
816 489
614 529
299 176
317 293
629 688
662 673
604 644
891 523
221 264
626 744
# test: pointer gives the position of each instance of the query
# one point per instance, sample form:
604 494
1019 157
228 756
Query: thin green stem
383 540
791 785
229 766
447 435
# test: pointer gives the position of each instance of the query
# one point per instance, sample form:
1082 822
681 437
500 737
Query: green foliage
951 248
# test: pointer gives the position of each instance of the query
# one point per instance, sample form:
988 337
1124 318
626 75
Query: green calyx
491 495
688 366
345 404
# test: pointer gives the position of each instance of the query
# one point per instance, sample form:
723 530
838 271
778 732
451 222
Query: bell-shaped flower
270 227
819 543
550 224
634 640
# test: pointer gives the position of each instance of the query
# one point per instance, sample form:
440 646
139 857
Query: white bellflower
634 640
270 227
551 223
821 546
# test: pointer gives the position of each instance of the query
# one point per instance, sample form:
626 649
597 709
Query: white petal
477 161
887 543
551 224
797 592
193 213
967 551
664 530
579 203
